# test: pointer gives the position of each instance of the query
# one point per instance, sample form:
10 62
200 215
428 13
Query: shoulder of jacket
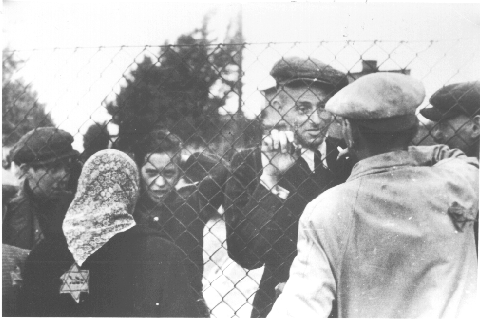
332 204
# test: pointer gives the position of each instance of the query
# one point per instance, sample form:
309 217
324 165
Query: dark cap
381 101
453 100
290 70
43 145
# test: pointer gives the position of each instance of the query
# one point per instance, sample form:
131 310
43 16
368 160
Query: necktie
318 161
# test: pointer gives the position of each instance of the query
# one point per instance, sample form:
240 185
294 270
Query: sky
75 80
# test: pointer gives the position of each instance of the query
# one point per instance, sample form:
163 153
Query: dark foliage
175 91
21 110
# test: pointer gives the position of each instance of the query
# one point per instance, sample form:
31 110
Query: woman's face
160 174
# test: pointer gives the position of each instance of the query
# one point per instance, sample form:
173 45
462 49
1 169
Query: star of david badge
75 281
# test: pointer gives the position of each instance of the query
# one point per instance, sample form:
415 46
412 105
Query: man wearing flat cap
46 159
456 109
270 185
396 239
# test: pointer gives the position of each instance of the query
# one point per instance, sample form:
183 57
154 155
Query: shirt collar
309 156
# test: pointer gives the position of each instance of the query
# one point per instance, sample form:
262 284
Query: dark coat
178 220
262 229
13 260
135 274
209 173
8 193
182 216
28 218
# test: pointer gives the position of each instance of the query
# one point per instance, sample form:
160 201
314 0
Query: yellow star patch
75 281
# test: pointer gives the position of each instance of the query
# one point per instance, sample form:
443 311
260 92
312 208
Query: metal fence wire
207 107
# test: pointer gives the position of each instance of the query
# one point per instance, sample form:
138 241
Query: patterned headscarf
104 203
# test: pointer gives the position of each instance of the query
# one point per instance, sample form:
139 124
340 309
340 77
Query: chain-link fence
216 102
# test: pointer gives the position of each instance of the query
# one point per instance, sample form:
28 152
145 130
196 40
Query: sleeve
441 152
431 155
6 225
310 290
259 232
211 173
464 192
239 188
8 192
262 226
8 230
18 225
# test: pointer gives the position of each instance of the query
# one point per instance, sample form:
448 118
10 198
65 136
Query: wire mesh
215 100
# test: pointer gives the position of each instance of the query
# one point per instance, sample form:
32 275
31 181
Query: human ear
348 133
276 104
335 128
475 127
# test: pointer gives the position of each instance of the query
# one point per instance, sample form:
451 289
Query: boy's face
160 173
49 181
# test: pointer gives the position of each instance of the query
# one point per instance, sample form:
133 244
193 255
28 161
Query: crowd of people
347 218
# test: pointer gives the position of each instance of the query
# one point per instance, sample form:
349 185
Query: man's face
456 133
49 181
303 110
160 174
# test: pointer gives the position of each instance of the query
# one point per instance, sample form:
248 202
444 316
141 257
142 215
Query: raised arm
209 173
263 207
239 189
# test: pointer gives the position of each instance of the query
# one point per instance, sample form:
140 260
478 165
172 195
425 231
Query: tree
20 107
175 92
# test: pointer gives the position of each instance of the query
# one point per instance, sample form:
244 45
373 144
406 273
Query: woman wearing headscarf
104 265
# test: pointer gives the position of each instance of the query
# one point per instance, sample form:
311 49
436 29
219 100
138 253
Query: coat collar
386 162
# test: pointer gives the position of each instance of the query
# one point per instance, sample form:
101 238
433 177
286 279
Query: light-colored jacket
394 241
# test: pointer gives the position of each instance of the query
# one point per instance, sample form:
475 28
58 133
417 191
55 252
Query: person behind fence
104 264
170 205
46 160
396 239
456 109
270 186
